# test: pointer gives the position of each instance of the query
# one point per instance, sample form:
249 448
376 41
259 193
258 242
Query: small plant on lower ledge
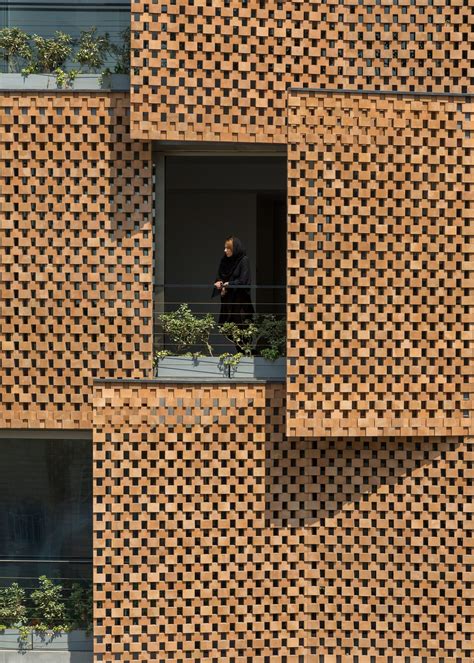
46 610
231 360
159 356
12 607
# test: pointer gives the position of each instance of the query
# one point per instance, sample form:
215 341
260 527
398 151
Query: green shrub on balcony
93 50
264 336
49 56
187 330
63 56
15 48
12 607
46 608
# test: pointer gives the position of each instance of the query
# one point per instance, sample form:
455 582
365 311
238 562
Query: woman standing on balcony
234 270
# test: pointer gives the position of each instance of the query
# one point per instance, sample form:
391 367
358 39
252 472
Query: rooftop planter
86 82
174 367
63 63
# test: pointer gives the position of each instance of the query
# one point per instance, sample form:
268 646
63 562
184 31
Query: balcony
198 338
201 199
95 41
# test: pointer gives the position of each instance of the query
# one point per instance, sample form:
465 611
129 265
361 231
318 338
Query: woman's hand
218 285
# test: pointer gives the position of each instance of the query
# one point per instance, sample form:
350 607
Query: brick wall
218 538
219 71
380 213
185 565
75 254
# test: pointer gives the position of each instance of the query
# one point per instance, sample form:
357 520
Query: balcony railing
51 612
190 322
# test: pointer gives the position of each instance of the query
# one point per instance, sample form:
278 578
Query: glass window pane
45 506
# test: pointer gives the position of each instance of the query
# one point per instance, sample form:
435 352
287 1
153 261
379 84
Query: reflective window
45 507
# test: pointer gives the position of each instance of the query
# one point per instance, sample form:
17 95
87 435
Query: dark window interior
45 508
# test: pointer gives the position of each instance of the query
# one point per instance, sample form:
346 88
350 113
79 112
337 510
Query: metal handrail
268 309
211 285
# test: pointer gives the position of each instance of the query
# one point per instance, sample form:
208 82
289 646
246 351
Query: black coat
236 303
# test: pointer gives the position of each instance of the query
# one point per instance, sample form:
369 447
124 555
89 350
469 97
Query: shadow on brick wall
377 528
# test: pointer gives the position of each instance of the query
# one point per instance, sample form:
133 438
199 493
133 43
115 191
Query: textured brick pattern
389 550
185 567
219 539
75 254
220 70
380 206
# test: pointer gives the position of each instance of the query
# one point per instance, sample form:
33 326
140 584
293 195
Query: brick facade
380 213
326 520
186 566
220 71
75 254
217 538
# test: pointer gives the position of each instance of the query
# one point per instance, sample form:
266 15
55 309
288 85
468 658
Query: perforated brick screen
388 549
220 70
188 564
75 254
219 539
380 210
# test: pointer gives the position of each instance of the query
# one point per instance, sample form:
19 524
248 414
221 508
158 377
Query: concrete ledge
233 381
46 657
47 82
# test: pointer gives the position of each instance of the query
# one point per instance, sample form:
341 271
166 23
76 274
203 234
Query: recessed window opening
45 510
206 199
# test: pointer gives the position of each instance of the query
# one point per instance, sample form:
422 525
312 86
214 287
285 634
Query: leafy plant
243 336
93 50
231 360
272 335
12 606
24 632
65 78
51 53
186 329
159 355
79 607
270 354
15 47
49 605
50 56
121 52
